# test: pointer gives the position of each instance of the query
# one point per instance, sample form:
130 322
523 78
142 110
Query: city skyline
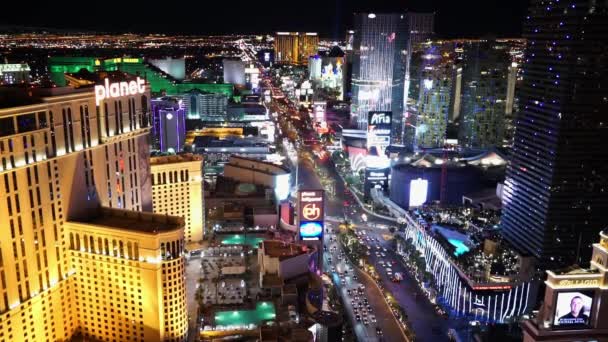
318 171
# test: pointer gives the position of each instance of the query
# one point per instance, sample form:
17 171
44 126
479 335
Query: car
352 302
372 318
355 277
378 331
348 292
358 318
365 322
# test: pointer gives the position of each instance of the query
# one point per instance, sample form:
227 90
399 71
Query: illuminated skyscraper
421 27
484 95
168 124
66 265
308 46
379 67
556 189
437 90
234 71
295 47
177 189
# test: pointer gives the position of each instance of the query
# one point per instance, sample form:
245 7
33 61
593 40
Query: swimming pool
263 311
456 239
242 239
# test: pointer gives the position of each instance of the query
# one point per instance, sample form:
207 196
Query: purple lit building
169 124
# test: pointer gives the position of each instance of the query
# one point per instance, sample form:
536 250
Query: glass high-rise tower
379 57
556 190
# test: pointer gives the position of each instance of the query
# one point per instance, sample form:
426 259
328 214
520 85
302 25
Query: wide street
426 323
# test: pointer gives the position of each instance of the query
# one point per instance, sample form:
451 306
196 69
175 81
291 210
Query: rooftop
178 158
133 220
282 250
243 162
24 95
85 78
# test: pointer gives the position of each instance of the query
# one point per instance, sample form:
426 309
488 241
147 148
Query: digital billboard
418 192
378 132
375 178
572 309
311 230
311 214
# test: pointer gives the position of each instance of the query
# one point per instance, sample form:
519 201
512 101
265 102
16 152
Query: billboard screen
378 132
311 213
418 192
311 230
572 309
375 178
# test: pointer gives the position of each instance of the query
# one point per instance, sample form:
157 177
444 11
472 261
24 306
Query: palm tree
328 138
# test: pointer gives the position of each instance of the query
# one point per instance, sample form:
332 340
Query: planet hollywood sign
119 89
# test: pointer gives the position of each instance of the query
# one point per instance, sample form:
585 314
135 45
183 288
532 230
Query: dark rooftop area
133 220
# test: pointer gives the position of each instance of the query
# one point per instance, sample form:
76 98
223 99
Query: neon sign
119 89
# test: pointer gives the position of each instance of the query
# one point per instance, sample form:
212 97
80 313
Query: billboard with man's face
573 309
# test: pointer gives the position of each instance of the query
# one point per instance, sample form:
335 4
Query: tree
327 138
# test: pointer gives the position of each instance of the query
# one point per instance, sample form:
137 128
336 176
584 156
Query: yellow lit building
295 47
177 189
129 280
62 156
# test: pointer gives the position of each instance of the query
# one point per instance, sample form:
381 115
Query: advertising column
377 165
311 214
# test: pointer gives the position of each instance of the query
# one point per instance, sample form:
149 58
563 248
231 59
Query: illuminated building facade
327 71
177 189
168 124
14 73
62 157
587 289
555 196
234 71
205 106
350 37
295 47
484 94
129 275
436 90
379 68
159 81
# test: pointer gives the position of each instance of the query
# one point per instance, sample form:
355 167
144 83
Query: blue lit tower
379 67
556 190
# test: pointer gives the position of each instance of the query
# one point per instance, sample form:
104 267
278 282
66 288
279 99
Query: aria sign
118 89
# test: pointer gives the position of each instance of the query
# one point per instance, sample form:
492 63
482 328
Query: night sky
454 18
